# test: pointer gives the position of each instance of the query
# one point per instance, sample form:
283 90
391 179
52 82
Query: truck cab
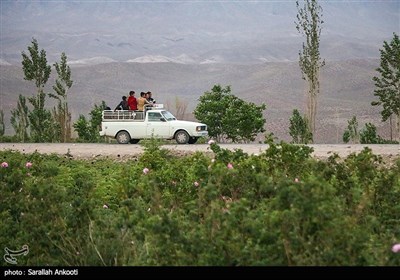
128 126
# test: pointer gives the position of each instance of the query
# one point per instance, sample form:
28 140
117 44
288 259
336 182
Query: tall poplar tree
36 69
388 82
61 112
2 125
309 24
19 119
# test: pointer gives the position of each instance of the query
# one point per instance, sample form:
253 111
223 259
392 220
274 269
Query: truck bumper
200 133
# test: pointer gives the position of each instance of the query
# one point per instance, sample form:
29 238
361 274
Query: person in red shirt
132 102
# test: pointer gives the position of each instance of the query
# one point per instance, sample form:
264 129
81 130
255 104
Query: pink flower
28 164
230 166
105 206
296 180
211 142
196 184
396 248
145 170
4 164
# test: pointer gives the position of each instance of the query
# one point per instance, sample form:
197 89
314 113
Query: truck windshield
168 116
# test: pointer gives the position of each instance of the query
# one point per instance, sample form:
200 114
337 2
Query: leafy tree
40 119
19 119
351 133
82 127
2 126
242 120
368 135
229 117
211 110
309 24
88 130
61 113
388 82
298 129
96 116
35 68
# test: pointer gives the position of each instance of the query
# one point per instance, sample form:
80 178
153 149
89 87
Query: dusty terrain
347 91
87 151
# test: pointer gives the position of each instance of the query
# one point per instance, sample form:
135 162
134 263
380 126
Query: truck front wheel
123 137
182 137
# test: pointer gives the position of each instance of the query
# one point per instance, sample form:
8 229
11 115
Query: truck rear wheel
182 137
123 137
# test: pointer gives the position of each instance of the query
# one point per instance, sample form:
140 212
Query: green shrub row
281 207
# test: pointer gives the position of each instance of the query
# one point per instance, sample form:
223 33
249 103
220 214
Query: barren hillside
347 90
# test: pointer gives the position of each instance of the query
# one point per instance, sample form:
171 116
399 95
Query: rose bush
281 207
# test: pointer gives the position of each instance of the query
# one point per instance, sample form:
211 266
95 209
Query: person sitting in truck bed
142 101
123 105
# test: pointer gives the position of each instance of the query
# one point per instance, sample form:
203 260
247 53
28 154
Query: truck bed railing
128 115
122 115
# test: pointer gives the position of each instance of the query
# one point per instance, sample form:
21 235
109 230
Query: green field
281 207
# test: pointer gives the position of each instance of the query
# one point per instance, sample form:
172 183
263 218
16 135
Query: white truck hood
187 123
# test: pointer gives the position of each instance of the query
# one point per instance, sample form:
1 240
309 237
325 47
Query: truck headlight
200 128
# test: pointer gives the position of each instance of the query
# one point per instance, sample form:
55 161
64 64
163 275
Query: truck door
156 127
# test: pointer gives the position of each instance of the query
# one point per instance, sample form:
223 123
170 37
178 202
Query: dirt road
80 150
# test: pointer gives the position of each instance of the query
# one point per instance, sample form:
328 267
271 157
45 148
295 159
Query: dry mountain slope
347 89
243 32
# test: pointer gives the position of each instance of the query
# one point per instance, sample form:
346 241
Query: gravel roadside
83 150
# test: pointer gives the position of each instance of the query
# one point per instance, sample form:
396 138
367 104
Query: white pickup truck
130 126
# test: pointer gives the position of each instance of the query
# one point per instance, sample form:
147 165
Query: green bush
281 207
